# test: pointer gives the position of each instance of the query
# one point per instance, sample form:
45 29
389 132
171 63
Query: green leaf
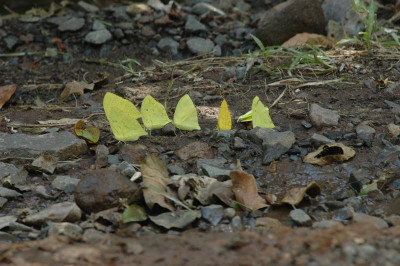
134 213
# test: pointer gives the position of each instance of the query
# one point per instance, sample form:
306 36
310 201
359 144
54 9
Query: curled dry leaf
155 180
328 153
295 195
90 134
6 92
245 189
202 188
76 88
178 219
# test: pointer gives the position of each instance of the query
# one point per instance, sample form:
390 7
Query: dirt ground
344 88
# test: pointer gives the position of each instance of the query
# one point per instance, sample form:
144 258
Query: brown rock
134 153
195 149
102 189
365 218
289 18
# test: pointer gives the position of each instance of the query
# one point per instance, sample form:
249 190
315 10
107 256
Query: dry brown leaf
309 38
6 92
76 88
295 195
328 153
155 181
245 188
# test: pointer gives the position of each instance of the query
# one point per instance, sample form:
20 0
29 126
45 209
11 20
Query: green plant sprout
126 64
171 83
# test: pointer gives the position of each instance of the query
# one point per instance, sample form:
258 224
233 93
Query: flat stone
72 24
193 25
9 193
215 172
6 220
63 145
168 45
325 224
360 177
362 217
285 20
65 183
102 189
199 45
366 134
98 37
11 41
321 117
213 213
216 162
137 8
92 236
126 169
7 169
201 8
343 214
102 153
59 212
300 217
3 201
41 191
266 224
88 7
196 149
97 25
237 224
238 143
70 230
44 163
318 140
6 237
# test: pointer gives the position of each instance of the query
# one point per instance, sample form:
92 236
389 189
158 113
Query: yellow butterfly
260 114
122 115
224 117
185 116
154 115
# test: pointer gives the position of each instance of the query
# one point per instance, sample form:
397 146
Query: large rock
102 189
289 18
63 145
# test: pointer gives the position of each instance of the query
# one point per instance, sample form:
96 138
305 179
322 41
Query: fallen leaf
6 92
134 213
155 177
245 189
328 153
202 189
178 219
295 195
309 38
76 88
90 134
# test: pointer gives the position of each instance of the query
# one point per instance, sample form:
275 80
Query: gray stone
102 189
11 41
176 169
44 163
321 117
360 177
6 220
237 224
41 191
395 107
336 9
217 162
221 40
7 169
3 201
193 25
362 217
229 213
9 193
88 7
300 217
98 37
343 214
72 24
213 213
225 134
126 169
97 25
201 8
285 20
70 230
101 156
318 140
274 143
238 143
65 183
113 159
14 226
62 144
59 212
92 236
365 133
199 45
215 172
168 44
325 224
6 237
119 33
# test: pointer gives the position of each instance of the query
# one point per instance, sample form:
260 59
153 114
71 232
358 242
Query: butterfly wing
260 114
154 115
224 117
185 116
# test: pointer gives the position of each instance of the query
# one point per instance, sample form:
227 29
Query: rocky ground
322 188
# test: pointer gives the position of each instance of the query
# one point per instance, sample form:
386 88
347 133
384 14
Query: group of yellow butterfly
123 116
